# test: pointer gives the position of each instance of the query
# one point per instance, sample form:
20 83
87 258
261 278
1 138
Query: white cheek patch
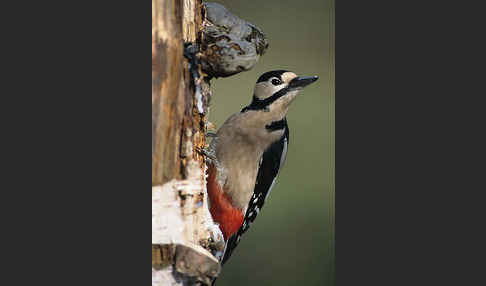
265 89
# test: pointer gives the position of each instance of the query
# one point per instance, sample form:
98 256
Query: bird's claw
206 153
211 134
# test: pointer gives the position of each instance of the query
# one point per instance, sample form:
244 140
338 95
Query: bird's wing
270 164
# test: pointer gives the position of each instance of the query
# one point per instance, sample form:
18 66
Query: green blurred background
292 240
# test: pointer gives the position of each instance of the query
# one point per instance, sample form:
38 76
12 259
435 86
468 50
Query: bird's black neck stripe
259 104
276 125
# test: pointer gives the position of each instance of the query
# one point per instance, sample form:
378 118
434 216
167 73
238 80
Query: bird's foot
207 152
211 134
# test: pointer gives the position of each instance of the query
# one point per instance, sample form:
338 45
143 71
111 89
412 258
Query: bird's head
275 90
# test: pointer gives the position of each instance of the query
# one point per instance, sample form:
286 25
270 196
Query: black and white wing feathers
272 160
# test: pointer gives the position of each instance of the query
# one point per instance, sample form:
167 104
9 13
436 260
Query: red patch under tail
228 217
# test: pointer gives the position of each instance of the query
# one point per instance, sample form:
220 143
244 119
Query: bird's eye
276 81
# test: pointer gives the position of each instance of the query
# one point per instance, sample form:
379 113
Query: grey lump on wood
229 44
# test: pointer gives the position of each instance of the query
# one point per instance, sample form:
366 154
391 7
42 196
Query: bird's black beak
302 81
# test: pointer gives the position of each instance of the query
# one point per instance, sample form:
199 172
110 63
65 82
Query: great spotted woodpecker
247 152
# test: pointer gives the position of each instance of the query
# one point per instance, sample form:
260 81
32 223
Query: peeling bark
186 243
183 233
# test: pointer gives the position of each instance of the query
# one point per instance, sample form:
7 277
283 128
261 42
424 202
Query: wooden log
186 243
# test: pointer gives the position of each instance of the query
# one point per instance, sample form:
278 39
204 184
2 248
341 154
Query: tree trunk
191 43
182 228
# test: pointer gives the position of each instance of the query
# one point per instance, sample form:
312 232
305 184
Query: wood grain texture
186 243
178 128
167 98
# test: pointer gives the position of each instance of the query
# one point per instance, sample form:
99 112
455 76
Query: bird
247 153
